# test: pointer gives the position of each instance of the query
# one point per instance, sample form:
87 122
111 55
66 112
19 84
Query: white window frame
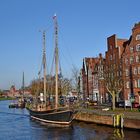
120 73
138 83
138 37
131 49
137 58
138 70
111 57
127 84
135 84
126 61
138 47
126 72
131 59
135 71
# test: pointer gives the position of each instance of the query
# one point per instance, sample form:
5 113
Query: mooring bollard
121 120
114 120
118 120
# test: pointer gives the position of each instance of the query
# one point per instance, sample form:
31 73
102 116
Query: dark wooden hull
61 117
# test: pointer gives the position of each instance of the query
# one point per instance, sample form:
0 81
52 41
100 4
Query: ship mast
56 60
23 84
44 65
22 88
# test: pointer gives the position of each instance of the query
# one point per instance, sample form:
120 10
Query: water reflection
15 124
118 133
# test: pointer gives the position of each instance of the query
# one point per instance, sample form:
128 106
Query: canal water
15 124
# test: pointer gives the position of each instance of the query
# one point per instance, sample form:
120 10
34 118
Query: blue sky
84 26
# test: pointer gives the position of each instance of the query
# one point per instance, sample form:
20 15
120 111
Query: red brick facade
131 65
122 61
113 65
92 78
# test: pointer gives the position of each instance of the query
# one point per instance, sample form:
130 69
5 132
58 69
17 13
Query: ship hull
58 117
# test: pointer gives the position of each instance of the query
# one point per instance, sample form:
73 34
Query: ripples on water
15 124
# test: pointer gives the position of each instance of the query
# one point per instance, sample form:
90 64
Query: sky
84 26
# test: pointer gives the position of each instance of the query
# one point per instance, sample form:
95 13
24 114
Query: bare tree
113 82
66 86
75 78
63 88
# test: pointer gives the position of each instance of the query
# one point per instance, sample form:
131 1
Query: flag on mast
54 16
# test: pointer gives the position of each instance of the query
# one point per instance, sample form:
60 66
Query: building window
138 70
127 84
137 58
127 72
120 73
138 37
131 59
111 57
114 57
135 71
138 83
135 83
126 61
138 47
131 49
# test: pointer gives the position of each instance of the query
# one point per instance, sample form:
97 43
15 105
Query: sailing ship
57 115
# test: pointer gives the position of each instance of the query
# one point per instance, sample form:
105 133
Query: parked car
125 103
119 104
135 105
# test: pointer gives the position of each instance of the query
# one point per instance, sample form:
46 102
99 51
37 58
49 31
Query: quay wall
132 123
94 118
106 119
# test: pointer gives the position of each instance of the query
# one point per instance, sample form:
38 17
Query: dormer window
138 37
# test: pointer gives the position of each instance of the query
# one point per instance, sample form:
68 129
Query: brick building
121 66
92 78
113 66
91 84
86 79
99 71
13 92
131 65
83 79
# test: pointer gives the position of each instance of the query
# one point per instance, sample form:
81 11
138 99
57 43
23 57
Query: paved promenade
131 119
127 113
